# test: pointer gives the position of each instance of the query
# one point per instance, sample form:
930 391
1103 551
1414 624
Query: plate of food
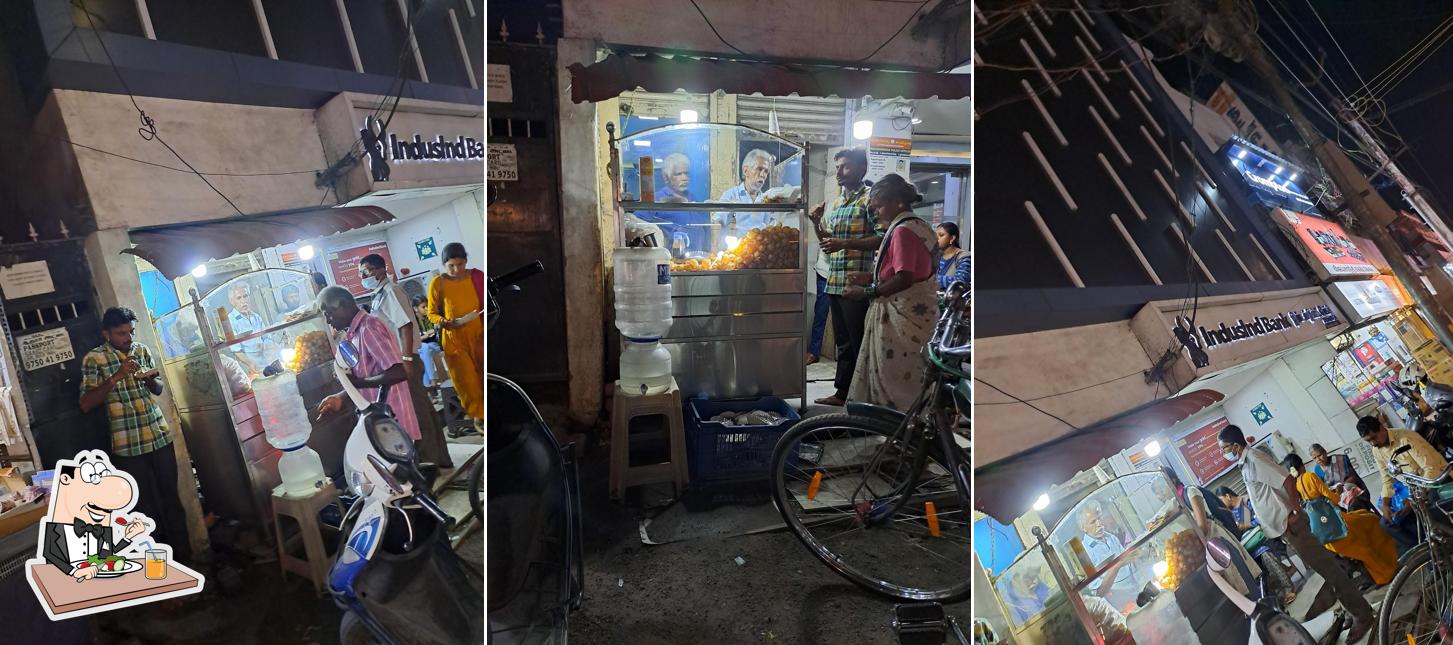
110 566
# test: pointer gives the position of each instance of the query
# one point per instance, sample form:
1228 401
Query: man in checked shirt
122 375
850 238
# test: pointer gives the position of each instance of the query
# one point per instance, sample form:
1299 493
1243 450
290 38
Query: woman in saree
903 296
1365 542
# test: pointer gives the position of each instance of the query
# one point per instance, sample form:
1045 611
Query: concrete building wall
214 138
841 30
1081 374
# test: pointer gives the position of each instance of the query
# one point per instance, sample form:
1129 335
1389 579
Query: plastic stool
304 510
628 408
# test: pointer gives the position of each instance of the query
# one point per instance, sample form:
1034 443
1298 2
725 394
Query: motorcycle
395 575
1269 624
535 553
1413 387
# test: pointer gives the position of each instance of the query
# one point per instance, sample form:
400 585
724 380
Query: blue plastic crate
717 452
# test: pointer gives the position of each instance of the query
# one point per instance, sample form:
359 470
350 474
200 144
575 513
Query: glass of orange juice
155 564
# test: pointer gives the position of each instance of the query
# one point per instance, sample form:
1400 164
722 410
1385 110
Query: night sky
1374 35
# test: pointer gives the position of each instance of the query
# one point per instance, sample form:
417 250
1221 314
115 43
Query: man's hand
128 367
134 528
854 293
330 404
833 245
85 573
860 278
816 213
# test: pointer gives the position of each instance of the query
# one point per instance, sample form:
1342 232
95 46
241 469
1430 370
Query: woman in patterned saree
904 299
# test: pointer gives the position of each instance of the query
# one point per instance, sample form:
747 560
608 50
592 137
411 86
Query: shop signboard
1227 103
1365 299
344 262
1202 451
45 348
1225 331
1326 247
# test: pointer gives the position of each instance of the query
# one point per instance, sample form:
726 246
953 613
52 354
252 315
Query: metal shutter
816 120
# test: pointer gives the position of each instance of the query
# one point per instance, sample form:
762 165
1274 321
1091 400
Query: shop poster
888 155
1367 356
92 553
1325 245
1202 451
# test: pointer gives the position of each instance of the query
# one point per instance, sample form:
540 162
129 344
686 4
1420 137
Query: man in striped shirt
380 362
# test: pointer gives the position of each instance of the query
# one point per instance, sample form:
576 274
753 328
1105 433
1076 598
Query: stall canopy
1005 489
607 79
176 250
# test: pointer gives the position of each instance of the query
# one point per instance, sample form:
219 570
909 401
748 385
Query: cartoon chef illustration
88 522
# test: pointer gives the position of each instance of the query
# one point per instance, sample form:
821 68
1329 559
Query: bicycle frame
932 414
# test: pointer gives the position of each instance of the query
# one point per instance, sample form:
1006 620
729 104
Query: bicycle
1426 572
872 491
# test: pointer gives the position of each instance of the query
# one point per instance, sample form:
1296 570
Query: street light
1042 502
1152 449
200 271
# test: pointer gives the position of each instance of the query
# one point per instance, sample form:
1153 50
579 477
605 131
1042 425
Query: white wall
457 221
1305 407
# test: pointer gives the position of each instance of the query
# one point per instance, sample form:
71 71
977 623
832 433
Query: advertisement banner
1325 245
1202 451
1365 299
1228 104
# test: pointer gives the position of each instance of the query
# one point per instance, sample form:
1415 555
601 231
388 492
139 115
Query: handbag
1325 520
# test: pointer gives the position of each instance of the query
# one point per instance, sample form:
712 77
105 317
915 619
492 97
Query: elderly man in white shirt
394 306
756 171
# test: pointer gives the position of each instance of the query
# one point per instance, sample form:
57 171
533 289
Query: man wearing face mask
1273 493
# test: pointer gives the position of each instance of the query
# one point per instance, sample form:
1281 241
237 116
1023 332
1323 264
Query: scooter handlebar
519 274
432 507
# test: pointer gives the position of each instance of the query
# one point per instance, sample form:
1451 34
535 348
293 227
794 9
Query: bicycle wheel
1417 599
856 492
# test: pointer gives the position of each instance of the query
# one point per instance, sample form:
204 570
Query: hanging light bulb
305 252
689 116
1042 502
1152 449
862 130
200 271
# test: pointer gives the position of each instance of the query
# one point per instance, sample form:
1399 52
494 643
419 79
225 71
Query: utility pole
1371 210
1412 193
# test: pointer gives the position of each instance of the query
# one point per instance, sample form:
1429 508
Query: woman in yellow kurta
452 296
1366 542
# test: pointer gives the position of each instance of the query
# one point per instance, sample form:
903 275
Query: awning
176 250
607 79
1005 489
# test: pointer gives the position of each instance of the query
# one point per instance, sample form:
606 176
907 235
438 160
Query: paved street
692 590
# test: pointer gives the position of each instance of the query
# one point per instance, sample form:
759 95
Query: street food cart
739 257
212 354
1125 561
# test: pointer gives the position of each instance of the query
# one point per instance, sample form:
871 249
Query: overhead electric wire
1031 405
148 130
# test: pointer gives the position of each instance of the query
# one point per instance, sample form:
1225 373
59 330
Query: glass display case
1133 557
730 203
253 326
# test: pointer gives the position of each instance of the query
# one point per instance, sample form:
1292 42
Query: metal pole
1077 603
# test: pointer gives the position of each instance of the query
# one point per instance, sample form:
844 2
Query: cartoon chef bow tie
81 528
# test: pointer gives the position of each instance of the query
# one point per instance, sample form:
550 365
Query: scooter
535 553
395 576
1269 624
